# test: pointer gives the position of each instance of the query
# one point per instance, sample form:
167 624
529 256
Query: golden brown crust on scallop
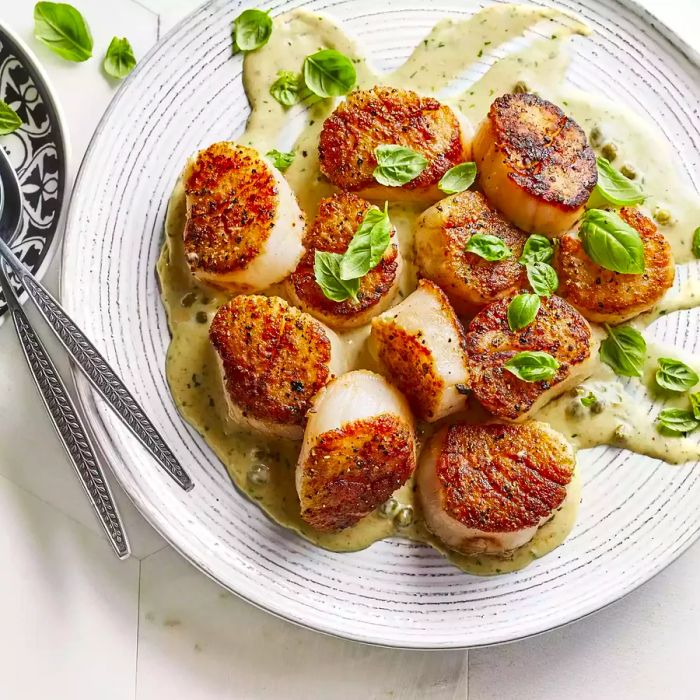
558 329
410 363
502 478
232 205
275 358
338 218
386 115
547 153
605 296
469 280
352 470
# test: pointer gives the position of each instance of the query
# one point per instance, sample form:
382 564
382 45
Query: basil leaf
589 400
327 274
488 247
62 28
281 159
532 366
119 60
624 350
696 242
9 119
251 30
458 179
287 88
678 420
537 248
542 278
695 404
675 375
368 245
522 311
397 165
611 242
329 73
614 187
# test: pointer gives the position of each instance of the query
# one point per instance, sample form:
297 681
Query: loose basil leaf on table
532 366
251 30
287 88
614 187
458 179
695 404
542 278
397 165
281 159
696 242
119 60
488 247
522 311
368 245
329 73
678 420
9 119
62 28
327 274
624 350
675 375
538 248
611 242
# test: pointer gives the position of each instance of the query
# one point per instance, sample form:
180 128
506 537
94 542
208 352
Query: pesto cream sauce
263 467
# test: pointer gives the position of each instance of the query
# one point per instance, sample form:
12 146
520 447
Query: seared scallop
470 282
488 488
421 343
244 228
610 297
337 221
558 329
535 164
359 447
273 360
386 115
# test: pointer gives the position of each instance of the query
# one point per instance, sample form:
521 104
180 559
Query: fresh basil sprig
611 242
532 366
522 311
675 375
696 242
538 248
488 247
624 350
458 179
678 420
368 245
62 28
329 73
614 187
397 165
251 30
119 60
9 119
542 278
287 88
695 404
327 274
281 159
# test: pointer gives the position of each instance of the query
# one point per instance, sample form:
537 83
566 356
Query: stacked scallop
487 480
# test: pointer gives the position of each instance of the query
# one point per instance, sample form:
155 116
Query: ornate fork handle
99 373
68 425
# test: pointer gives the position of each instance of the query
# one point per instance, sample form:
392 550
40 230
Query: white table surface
78 624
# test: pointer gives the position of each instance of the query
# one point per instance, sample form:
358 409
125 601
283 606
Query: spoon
87 358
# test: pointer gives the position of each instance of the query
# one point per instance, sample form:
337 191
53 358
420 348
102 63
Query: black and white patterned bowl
637 514
38 151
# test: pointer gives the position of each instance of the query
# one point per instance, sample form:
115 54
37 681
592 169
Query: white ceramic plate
637 514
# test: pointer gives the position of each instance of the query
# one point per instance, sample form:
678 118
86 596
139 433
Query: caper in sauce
609 151
628 171
404 517
596 136
201 317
